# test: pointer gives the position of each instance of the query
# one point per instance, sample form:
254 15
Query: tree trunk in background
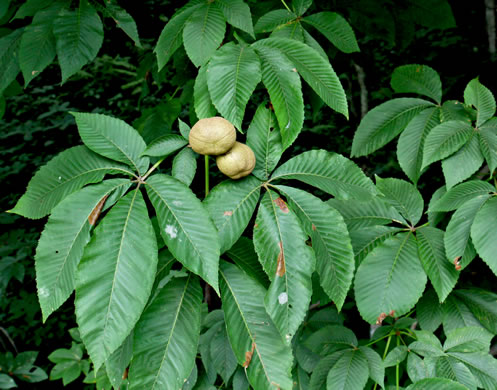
361 76
490 17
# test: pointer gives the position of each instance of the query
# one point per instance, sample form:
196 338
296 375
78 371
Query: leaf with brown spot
248 356
280 269
93 217
228 213
313 227
282 205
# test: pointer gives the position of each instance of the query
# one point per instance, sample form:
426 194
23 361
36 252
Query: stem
286 6
153 168
385 355
397 379
381 338
206 175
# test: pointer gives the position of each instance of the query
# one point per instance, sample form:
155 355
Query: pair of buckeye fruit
217 137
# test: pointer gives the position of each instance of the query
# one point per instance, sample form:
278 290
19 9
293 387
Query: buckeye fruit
212 136
238 162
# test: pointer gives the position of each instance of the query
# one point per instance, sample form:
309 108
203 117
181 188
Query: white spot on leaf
177 203
283 298
43 292
171 231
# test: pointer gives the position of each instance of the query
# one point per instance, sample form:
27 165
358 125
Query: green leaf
30 8
285 90
273 19
395 356
233 73
221 354
460 194
79 34
335 28
300 379
237 13
488 143
310 41
427 344
420 79
470 339
442 273
37 49
484 233
166 337
331 338
243 305
185 166
171 36
455 110
480 97
264 138
185 226
457 314
482 304
330 172
450 368
7 382
292 30
201 96
429 311
436 384
411 142
375 364
112 138
366 239
463 163
117 363
326 227
314 69
280 244
319 375
384 122
433 14
482 365
62 242
350 372
418 368
390 278
115 277
165 145
444 140
240 381
403 196
204 32
243 254
231 205
434 218
360 214
9 53
300 6
457 236
124 21
64 174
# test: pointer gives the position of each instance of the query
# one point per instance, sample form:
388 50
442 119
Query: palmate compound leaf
166 337
115 277
64 174
482 99
264 138
280 244
255 340
232 75
444 140
457 235
335 28
384 122
390 278
420 79
185 226
171 36
330 240
282 81
441 271
484 233
411 142
112 138
63 240
231 205
330 172
313 68
79 34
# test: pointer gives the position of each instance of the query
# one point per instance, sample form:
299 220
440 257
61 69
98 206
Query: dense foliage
316 271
